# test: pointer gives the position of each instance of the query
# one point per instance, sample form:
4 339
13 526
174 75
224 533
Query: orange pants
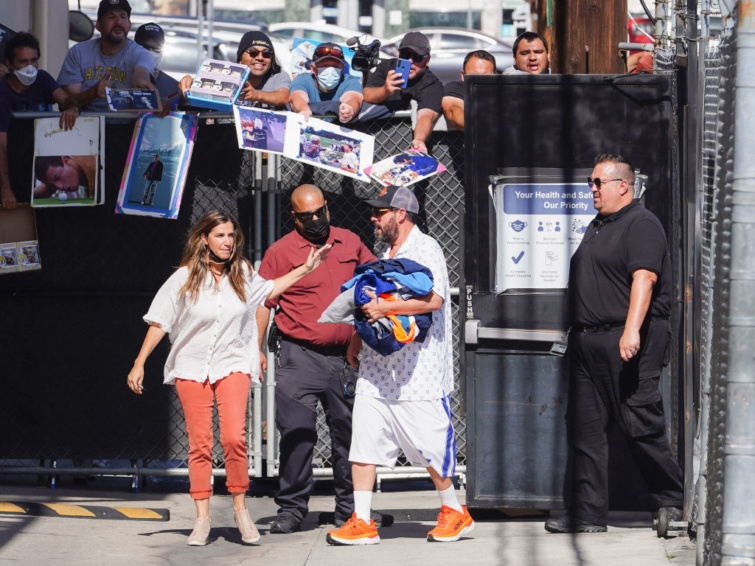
232 397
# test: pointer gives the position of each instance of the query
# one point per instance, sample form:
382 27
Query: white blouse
214 336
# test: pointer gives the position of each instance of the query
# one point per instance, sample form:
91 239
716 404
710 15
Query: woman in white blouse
207 307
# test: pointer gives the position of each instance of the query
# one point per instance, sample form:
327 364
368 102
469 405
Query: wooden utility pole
585 35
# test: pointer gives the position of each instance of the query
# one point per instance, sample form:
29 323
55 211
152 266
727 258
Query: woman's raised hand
316 257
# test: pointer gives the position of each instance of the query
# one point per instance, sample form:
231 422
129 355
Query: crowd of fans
113 60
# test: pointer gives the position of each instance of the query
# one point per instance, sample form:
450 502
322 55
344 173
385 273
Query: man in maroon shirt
312 359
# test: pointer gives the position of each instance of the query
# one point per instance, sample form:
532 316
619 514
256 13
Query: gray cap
395 197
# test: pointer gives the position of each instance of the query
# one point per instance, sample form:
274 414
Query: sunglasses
307 216
600 182
411 55
253 53
378 212
328 51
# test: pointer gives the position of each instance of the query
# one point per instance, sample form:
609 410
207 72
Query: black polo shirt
454 89
600 275
426 89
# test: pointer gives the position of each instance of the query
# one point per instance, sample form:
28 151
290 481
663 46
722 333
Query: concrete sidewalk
35 540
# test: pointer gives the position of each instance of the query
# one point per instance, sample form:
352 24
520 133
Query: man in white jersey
403 399
111 60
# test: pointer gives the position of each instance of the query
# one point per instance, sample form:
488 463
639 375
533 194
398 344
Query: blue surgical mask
328 77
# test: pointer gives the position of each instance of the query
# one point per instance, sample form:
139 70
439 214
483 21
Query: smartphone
402 68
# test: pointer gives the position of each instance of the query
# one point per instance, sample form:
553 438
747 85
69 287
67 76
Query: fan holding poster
155 173
67 163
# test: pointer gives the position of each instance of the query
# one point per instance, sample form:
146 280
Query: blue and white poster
155 173
539 226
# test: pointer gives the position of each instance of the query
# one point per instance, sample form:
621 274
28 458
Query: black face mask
216 259
316 229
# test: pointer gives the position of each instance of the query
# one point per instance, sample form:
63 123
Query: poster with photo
304 49
322 144
404 169
155 174
67 168
260 130
132 100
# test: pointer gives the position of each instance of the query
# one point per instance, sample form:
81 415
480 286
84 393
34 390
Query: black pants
304 377
603 387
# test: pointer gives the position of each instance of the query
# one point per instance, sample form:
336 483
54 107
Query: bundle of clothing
388 279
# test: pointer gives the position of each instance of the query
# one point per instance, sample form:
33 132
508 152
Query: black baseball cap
395 197
149 31
253 39
417 42
107 5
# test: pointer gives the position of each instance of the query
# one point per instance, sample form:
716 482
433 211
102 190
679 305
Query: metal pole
200 32
739 454
210 21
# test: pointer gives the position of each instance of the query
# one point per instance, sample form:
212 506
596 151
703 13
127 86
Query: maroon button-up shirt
303 303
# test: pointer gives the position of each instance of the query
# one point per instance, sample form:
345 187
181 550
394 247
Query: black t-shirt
36 98
600 275
455 89
426 89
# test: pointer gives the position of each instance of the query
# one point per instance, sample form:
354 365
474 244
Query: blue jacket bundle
388 279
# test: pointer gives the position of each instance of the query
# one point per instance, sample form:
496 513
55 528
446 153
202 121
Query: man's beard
389 233
113 40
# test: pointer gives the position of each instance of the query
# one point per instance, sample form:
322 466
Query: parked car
449 46
316 32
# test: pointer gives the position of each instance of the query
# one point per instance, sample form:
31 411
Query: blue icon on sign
517 225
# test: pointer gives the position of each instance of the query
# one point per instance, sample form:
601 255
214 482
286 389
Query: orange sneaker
354 531
452 525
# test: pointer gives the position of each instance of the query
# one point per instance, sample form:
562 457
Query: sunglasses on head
411 55
307 216
253 53
599 182
327 50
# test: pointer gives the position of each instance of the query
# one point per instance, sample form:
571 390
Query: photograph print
260 130
322 144
155 174
404 169
66 170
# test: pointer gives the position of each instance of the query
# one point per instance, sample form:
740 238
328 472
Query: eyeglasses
409 54
253 53
378 212
307 216
600 182
328 51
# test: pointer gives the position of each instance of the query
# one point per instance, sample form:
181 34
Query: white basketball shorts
422 429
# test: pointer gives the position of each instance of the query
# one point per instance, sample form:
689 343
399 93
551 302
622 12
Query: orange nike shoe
452 525
354 532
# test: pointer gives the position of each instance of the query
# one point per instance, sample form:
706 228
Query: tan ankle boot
201 533
249 532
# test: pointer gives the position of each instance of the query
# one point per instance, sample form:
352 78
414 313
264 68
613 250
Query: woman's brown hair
196 256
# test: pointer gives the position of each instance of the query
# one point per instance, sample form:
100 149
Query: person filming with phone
328 88
387 86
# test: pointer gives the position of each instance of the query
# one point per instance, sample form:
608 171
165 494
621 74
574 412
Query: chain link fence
79 416
715 233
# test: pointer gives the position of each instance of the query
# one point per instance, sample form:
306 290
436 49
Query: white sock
362 505
448 498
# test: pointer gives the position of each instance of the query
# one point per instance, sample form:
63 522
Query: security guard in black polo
619 306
